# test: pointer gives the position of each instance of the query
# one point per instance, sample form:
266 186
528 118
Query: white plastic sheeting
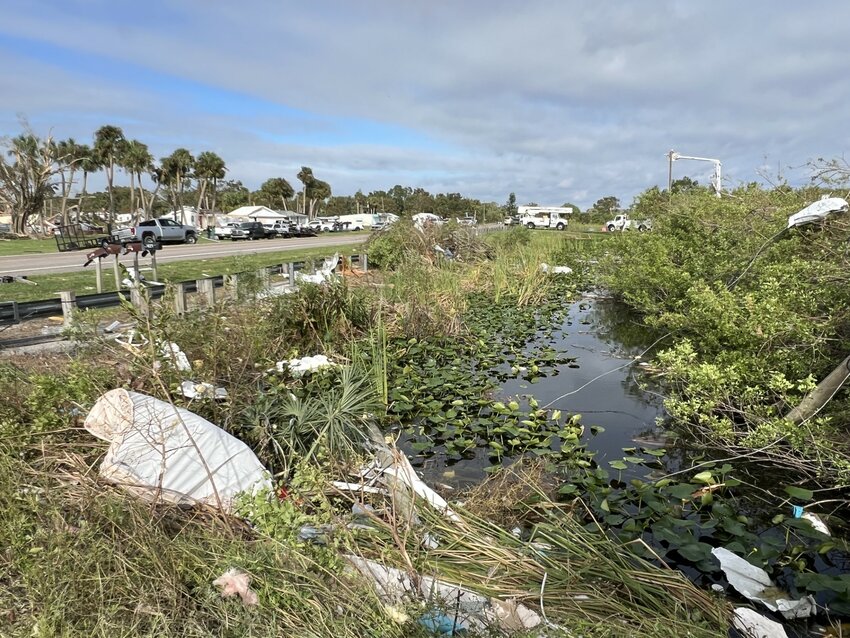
754 583
162 452
753 625
323 274
298 367
818 211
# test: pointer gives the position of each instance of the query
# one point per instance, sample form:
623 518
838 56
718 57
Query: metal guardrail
16 311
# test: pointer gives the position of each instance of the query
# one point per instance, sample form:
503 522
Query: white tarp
818 211
323 274
162 452
753 625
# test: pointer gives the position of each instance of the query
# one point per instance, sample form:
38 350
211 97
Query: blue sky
554 100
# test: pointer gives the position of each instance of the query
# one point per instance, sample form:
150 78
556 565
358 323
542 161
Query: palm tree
109 145
176 171
88 164
69 156
136 159
209 168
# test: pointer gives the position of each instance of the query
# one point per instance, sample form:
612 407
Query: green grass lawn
26 246
83 283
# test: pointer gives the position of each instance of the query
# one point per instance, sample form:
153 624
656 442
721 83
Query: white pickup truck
622 222
555 217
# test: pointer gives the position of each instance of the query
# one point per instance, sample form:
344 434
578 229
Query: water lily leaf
618 465
635 460
704 477
659 452
695 552
568 488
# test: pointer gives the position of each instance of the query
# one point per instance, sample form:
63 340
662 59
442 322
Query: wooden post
263 276
180 299
206 289
231 286
117 270
290 268
139 300
98 274
153 266
69 304
137 276
364 262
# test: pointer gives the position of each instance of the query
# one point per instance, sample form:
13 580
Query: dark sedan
251 230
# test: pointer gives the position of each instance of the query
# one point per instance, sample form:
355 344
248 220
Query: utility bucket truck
555 217
622 222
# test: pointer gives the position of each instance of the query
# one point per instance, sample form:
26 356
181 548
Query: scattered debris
162 452
468 608
323 274
814 519
11 279
235 582
556 270
203 390
818 211
753 625
175 356
754 583
298 367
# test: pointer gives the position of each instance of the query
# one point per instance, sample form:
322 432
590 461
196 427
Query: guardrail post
140 301
263 276
117 270
364 262
231 286
180 299
206 289
69 304
290 268
98 274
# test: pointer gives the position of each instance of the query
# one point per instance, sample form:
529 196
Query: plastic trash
164 453
192 390
298 367
556 270
441 624
818 211
172 353
753 625
235 582
753 583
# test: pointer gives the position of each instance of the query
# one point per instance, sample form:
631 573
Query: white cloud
556 101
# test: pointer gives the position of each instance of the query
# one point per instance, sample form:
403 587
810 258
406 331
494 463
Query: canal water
603 382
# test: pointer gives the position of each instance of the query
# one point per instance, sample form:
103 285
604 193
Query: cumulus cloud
554 100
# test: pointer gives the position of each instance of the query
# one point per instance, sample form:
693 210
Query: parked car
223 232
511 220
321 225
467 221
153 231
250 230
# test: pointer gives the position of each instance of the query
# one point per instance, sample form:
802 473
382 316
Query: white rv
365 221
555 217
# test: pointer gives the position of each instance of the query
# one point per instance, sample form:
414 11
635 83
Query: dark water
602 385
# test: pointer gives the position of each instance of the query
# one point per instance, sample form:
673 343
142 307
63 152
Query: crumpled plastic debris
172 353
235 582
203 390
754 584
753 625
814 519
323 274
556 270
298 367
818 211
469 609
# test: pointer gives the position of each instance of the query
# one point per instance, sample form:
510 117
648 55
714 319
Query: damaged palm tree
822 394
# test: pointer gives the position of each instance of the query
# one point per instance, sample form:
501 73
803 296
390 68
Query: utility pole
670 171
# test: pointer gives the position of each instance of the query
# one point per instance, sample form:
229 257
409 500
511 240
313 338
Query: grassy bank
10 247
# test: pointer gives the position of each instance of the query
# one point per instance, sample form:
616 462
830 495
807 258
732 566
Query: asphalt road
46 263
